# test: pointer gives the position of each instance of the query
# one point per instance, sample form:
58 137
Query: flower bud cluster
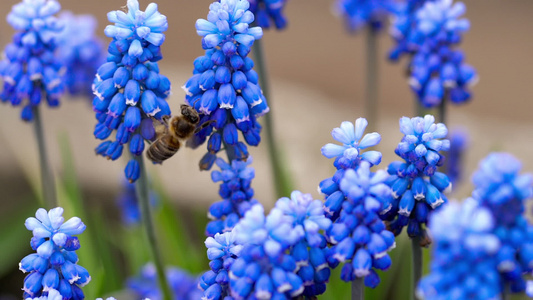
224 88
129 91
359 13
30 70
54 266
269 11
417 186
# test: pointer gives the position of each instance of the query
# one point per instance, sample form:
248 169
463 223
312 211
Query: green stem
358 290
141 190
47 179
416 271
442 111
371 78
281 178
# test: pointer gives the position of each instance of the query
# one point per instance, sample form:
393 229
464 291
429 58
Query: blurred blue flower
29 68
417 186
464 260
358 13
182 285
459 141
359 237
54 266
269 11
128 204
236 192
81 52
224 88
129 91
52 294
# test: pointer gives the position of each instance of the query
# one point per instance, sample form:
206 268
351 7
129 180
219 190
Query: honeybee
172 133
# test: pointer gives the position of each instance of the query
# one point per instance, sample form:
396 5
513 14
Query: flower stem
47 178
442 111
358 290
141 190
416 271
280 176
371 106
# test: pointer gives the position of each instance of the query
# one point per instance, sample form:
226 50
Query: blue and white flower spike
54 266
464 259
81 52
503 191
224 88
128 89
359 13
359 237
29 69
417 186
268 12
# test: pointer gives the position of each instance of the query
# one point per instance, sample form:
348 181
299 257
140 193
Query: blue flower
417 186
182 285
129 91
81 52
359 237
236 192
269 11
29 69
454 163
464 260
224 88
54 266
52 294
358 13
503 191
128 204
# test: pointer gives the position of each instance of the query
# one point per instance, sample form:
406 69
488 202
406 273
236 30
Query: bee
173 132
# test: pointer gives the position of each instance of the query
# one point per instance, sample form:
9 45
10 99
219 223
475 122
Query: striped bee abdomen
162 149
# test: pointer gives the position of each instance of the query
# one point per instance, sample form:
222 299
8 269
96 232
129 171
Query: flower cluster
30 69
358 13
502 190
236 192
129 91
347 156
464 256
269 11
224 87
359 237
437 70
54 266
182 285
80 51
417 186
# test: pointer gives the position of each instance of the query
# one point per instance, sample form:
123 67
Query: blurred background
317 79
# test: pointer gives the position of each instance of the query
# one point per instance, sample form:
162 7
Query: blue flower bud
192 86
223 75
252 94
101 131
252 77
132 170
147 129
114 150
218 58
347 273
260 109
264 287
208 102
407 203
136 144
333 203
230 134
236 62
280 280
152 81
129 61
33 283
433 197
239 80
140 72
240 113
117 106
207 161
50 280
27 113
372 279
106 71
102 148
203 63
441 182
241 289
344 250
135 49
149 103
213 292
65 289
214 143
252 137
362 262
399 187
226 96
132 92
123 135
105 89
207 80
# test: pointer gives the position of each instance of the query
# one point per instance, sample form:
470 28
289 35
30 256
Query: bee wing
160 127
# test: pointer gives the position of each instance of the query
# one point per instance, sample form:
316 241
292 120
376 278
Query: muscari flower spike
417 186
236 193
359 13
30 70
224 88
347 156
80 51
54 266
359 237
269 12
464 258
182 284
129 91
503 191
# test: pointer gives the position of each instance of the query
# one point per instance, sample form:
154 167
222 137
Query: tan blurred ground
318 81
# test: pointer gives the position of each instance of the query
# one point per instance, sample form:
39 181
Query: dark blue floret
359 13
269 12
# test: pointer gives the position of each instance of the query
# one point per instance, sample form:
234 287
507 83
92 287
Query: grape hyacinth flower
402 28
359 13
129 91
359 237
52 294
182 284
54 266
80 51
236 193
503 191
454 163
347 156
129 205
269 12
464 259
29 68
224 88
417 186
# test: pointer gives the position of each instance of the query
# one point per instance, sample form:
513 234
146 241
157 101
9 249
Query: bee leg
204 125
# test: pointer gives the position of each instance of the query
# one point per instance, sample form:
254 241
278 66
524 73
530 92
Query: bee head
190 114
